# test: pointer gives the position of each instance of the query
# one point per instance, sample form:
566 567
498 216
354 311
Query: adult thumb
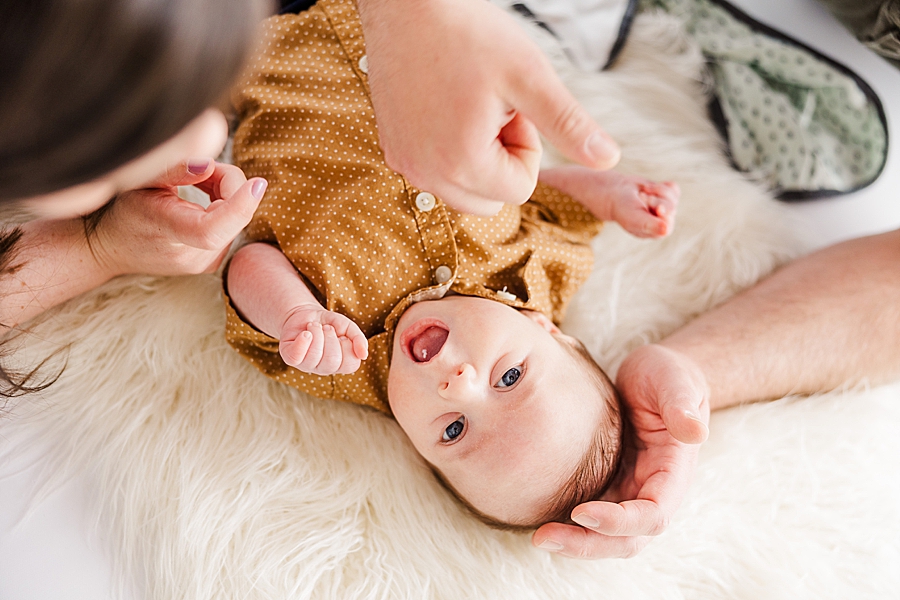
566 124
683 418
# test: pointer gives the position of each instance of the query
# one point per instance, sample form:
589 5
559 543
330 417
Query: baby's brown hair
598 467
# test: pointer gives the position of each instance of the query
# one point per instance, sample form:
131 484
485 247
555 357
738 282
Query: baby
359 286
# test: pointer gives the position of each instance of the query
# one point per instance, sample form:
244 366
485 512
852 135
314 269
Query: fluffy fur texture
213 482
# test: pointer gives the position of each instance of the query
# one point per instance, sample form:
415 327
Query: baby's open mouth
425 341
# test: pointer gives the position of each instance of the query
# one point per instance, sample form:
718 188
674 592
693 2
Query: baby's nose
460 383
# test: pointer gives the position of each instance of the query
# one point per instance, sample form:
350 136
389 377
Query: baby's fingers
310 362
293 352
360 346
346 329
349 363
332 354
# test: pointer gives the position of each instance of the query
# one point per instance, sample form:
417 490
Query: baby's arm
642 207
268 292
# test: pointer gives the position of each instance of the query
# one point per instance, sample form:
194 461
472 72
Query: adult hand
460 93
667 408
153 231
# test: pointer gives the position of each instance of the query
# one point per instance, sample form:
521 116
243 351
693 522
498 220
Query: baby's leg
269 293
644 208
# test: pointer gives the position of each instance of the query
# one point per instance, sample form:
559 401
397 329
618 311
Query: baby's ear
542 320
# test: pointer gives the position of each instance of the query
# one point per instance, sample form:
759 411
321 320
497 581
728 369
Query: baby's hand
322 342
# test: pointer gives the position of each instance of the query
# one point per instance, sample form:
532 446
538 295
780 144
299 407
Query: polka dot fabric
798 119
367 241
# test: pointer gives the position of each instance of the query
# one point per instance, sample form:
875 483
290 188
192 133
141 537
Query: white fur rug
214 483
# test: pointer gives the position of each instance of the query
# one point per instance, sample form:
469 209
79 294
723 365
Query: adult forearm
51 263
825 320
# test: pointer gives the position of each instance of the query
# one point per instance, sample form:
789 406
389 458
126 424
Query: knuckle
660 524
631 549
586 552
618 523
209 240
570 120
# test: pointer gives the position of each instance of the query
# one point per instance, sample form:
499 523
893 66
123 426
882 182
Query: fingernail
602 149
550 545
586 521
694 416
305 335
198 166
259 188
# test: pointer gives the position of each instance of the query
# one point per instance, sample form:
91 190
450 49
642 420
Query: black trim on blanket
624 29
717 115
526 12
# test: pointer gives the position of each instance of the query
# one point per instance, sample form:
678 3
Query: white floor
51 552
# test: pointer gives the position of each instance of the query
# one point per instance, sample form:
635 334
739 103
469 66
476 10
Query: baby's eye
509 378
454 429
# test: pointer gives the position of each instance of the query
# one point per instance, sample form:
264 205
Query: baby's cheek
400 397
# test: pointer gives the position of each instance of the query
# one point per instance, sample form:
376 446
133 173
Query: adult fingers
494 171
471 203
607 530
221 222
517 154
685 415
222 182
544 100
186 172
630 518
577 542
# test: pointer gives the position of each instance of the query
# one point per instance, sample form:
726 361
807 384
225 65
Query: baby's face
491 398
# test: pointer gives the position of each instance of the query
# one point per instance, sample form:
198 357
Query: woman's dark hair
88 85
